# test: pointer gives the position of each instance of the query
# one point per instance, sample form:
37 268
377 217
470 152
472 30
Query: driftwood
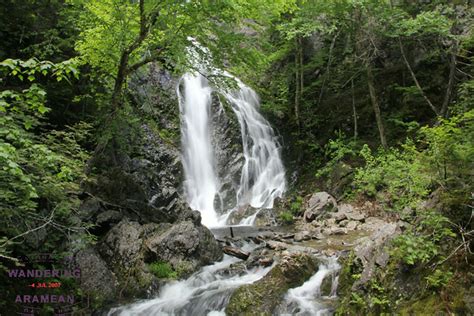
236 252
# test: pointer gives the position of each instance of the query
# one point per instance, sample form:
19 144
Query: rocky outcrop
319 205
186 245
263 296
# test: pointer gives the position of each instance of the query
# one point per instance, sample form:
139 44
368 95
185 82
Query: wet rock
276 245
320 204
265 262
263 296
235 252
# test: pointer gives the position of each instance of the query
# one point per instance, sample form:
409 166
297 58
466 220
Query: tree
118 37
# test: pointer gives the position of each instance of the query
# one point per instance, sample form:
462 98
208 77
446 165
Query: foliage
286 217
335 151
422 242
399 173
296 206
41 169
162 270
439 278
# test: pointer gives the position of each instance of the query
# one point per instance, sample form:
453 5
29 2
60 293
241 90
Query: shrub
162 270
286 217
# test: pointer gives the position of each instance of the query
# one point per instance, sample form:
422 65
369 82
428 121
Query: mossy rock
263 296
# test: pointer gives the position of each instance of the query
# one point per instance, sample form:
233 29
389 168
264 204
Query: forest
366 106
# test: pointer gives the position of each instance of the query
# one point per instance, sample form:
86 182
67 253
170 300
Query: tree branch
416 80
452 77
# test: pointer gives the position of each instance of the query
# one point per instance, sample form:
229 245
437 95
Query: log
236 252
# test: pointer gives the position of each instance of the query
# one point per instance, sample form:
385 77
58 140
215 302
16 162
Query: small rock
352 225
330 221
343 223
266 262
337 231
355 216
304 235
339 216
288 236
276 245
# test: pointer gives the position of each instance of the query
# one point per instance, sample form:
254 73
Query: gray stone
337 231
339 216
96 278
352 225
343 223
319 205
301 236
371 250
183 241
372 223
355 216
122 244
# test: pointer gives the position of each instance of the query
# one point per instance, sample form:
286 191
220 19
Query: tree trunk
413 76
297 86
301 79
375 104
354 112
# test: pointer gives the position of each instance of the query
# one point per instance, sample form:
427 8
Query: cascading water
198 160
206 292
262 175
307 299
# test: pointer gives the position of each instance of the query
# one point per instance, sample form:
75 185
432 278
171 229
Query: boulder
319 205
122 244
96 278
184 241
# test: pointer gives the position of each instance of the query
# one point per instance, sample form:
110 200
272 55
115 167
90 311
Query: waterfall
262 176
198 161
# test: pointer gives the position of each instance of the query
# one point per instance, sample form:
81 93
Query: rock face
371 251
320 204
227 142
263 296
136 201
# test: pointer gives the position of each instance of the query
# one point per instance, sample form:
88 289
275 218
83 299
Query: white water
262 175
205 293
307 299
198 159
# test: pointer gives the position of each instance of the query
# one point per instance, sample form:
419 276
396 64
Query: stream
262 180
